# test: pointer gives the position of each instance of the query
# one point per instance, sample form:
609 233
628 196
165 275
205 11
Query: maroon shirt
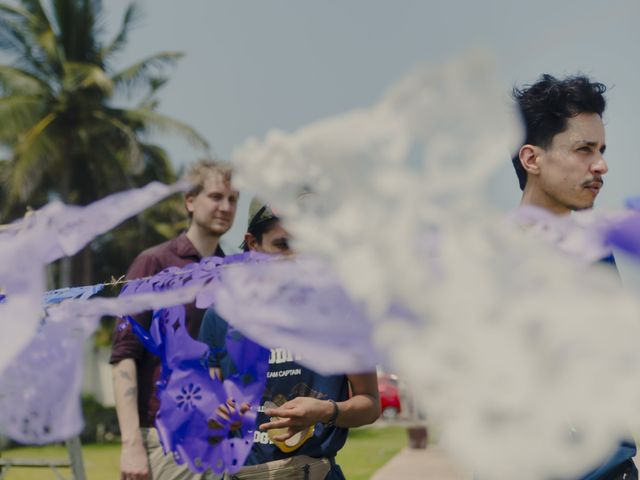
174 253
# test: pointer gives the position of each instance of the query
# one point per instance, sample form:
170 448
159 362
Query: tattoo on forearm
132 392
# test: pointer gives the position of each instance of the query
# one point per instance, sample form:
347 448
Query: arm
213 333
363 407
125 349
133 457
300 413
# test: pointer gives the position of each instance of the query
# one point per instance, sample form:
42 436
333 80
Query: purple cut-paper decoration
58 230
36 405
633 202
582 235
48 234
304 298
121 306
207 272
299 305
187 421
81 293
81 226
24 283
143 335
56 296
625 235
247 356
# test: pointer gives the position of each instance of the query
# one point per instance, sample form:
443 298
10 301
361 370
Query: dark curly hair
258 230
546 105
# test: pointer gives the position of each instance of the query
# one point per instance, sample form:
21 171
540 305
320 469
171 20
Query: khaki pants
298 467
163 466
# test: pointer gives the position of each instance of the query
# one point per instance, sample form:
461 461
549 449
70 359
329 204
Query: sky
250 67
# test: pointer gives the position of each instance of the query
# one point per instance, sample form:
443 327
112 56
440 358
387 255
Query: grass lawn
100 461
366 451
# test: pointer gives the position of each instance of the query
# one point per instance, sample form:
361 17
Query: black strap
254 220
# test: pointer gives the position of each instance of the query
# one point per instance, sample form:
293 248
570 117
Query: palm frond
86 75
157 164
108 176
152 120
21 42
44 30
131 17
18 113
134 155
150 101
32 154
35 8
15 80
14 38
144 70
17 12
34 133
48 43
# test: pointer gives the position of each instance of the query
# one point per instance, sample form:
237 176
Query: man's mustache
590 182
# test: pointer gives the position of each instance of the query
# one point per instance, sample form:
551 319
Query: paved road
420 464
424 464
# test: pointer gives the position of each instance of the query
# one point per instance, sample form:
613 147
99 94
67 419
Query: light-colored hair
203 169
200 171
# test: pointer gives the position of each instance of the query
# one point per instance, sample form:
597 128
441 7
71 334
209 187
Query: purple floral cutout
189 421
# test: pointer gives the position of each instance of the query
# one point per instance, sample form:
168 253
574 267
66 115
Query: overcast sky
253 66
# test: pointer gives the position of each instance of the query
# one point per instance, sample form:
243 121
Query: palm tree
66 135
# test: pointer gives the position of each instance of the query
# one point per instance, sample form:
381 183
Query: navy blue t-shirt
286 379
627 449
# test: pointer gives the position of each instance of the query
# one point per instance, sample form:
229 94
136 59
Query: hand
225 411
134 464
297 415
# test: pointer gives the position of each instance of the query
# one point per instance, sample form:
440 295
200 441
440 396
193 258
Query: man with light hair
211 206
560 168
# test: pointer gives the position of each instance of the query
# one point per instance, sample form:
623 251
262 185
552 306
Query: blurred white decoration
526 359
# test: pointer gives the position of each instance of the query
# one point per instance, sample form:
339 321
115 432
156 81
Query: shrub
101 423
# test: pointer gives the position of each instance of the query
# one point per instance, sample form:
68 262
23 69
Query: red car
389 396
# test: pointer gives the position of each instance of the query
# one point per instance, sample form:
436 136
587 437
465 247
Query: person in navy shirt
304 416
561 168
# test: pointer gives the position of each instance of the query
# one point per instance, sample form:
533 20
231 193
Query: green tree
62 119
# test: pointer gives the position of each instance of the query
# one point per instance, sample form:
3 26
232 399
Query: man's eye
585 149
281 244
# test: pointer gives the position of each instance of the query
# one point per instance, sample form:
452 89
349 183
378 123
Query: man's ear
188 203
251 242
529 158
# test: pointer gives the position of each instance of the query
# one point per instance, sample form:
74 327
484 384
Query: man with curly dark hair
560 168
